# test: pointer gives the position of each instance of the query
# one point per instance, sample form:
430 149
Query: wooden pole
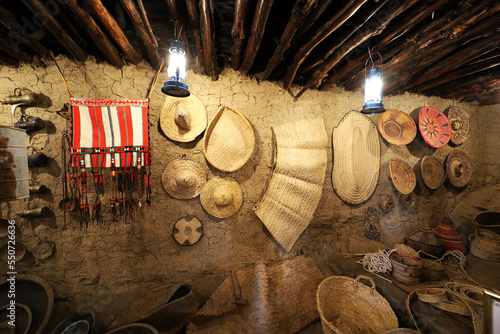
311 19
114 30
238 30
194 20
16 53
145 19
300 10
175 16
39 11
258 28
209 60
95 32
135 17
328 28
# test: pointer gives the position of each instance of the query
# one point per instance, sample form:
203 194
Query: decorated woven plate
433 172
460 125
402 176
459 168
397 127
434 127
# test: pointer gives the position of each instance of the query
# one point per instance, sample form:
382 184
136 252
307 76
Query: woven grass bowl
485 245
348 306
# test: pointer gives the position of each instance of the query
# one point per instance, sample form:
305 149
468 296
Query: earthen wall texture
92 266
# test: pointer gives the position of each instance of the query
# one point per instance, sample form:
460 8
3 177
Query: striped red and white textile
110 132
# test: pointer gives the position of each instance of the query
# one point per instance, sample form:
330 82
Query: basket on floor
432 270
406 268
348 306
485 245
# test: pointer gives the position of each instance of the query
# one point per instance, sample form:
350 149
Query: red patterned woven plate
434 127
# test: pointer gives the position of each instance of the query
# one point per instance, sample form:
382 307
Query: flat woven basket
485 245
348 306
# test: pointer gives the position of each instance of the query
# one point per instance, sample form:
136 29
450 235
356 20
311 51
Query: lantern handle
371 59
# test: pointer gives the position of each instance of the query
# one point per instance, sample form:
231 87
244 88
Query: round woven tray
363 309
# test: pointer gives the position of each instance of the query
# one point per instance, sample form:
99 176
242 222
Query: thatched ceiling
433 47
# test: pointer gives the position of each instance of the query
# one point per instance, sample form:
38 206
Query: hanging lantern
176 70
373 90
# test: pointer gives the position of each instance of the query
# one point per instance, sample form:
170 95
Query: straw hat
459 168
434 127
229 140
397 127
356 152
221 197
460 125
183 118
183 178
433 172
402 176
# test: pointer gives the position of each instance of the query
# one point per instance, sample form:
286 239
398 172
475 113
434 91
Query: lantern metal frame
373 105
175 86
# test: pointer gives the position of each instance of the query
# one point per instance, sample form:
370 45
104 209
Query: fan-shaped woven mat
356 154
295 188
275 299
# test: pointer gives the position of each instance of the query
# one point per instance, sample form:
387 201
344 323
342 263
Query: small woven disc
187 231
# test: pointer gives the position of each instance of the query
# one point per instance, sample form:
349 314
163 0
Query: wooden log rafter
136 19
207 31
177 19
144 16
38 9
16 35
311 19
238 30
4 60
16 53
114 30
353 42
96 34
459 87
326 30
257 31
300 10
194 20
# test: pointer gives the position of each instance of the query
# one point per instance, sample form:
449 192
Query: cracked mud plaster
94 266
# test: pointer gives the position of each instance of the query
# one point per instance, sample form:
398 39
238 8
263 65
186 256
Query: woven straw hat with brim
459 168
183 178
182 119
434 127
402 176
221 197
433 172
460 125
356 154
229 140
397 127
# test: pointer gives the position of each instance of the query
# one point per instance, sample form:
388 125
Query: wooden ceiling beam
311 19
207 31
194 20
326 30
16 33
454 87
96 34
372 29
136 19
38 9
176 17
16 53
300 11
114 30
145 19
4 60
257 31
238 31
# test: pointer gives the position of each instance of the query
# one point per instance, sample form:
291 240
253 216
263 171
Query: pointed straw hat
183 119
433 172
229 140
356 153
460 125
434 127
402 176
221 197
397 127
183 178
459 168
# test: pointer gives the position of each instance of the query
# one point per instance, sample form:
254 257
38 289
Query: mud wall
92 266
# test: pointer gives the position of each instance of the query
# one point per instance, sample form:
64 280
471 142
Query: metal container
14 172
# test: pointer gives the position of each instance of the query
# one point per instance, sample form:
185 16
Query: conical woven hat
183 118
221 197
183 178
397 127
460 125
402 176
356 153
229 140
459 168
434 127
433 172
